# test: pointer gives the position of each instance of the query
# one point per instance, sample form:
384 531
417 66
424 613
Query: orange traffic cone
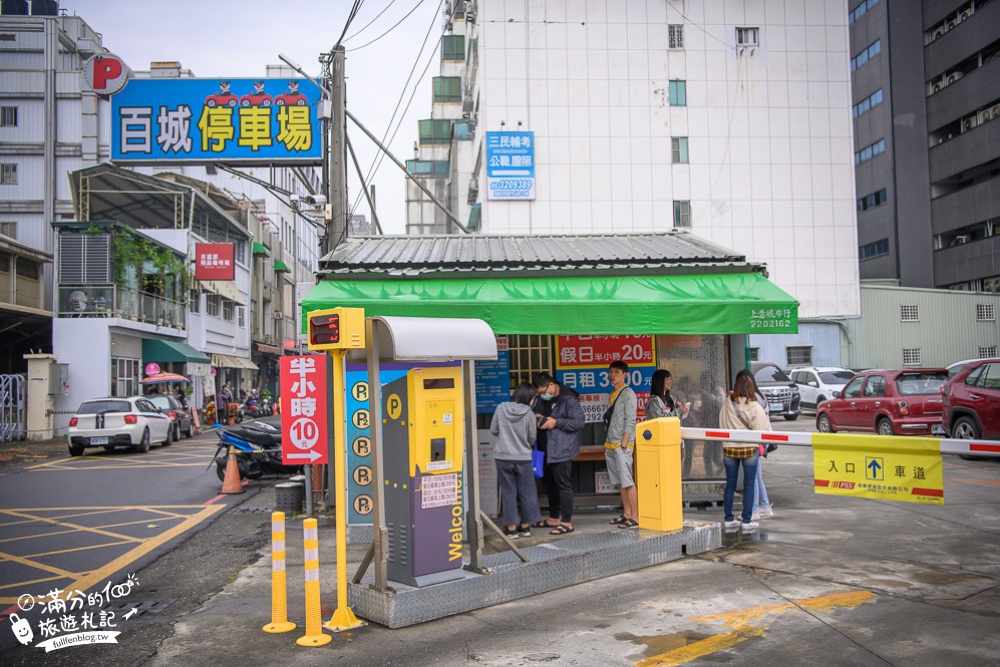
232 483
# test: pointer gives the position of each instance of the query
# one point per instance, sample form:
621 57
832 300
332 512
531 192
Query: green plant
265 394
133 251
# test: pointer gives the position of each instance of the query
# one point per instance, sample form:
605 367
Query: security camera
316 201
295 199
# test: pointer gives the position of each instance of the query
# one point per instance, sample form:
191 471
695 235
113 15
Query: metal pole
472 518
371 204
380 534
309 489
371 201
337 227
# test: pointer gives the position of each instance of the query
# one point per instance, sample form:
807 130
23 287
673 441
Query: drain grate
143 609
253 510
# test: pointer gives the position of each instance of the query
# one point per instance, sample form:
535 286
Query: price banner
305 409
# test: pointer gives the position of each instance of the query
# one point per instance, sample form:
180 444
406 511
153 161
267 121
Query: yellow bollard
279 591
314 634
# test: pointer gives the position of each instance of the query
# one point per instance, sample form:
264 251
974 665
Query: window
754 354
865 105
241 251
678 94
212 305
124 376
193 301
985 313
675 36
679 149
529 355
911 356
909 313
8 116
9 229
868 152
747 37
987 351
424 167
453 48
860 10
8 174
227 310
872 200
799 355
241 317
447 90
875 386
876 249
853 388
682 214
866 55
435 131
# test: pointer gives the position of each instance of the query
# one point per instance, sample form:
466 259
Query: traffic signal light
324 329
337 329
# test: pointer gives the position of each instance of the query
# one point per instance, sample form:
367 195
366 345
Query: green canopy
166 351
730 303
260 249
280 266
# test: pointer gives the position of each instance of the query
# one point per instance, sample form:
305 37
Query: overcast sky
238 38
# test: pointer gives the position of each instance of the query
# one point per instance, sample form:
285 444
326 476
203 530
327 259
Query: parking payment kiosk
423 432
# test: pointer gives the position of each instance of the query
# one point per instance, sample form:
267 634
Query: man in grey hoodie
515 427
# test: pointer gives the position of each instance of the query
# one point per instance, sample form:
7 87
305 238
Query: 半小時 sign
305 409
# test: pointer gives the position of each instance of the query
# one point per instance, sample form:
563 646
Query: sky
239 38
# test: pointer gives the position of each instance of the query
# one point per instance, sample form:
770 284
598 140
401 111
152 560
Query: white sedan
118 422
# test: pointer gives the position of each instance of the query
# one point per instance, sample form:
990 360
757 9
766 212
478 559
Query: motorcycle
258 451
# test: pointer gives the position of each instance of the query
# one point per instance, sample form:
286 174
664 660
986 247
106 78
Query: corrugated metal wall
946 330
824 337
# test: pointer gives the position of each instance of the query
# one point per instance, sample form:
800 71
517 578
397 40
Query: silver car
818 383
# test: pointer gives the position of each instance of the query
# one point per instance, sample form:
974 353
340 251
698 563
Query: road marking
986 482
747 623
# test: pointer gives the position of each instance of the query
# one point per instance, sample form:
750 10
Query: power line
350 17
420 2
370 22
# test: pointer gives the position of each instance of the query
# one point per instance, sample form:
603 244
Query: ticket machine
422 430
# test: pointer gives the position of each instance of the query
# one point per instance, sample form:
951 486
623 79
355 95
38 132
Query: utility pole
337 197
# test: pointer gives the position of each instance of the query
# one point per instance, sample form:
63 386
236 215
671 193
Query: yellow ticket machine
423 432
658 473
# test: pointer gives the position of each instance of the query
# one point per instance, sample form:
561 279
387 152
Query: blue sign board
510 165
492 383
217 120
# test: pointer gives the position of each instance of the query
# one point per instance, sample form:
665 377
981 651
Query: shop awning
224 288
720 303
260 249
169 351
227 361
280 266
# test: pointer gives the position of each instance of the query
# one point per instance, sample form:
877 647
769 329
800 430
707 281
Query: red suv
887 403
972 401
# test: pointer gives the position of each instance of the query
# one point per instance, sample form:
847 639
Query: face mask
546 397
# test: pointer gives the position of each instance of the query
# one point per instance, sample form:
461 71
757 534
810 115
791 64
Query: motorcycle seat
256 437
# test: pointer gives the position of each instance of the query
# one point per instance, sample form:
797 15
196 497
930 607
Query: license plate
99 441
937 429
778 407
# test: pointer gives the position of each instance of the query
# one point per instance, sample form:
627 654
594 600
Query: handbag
610 411
537 461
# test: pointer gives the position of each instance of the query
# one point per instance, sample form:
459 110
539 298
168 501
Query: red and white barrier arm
985 448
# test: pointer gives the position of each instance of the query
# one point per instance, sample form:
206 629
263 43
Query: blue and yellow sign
224 120
903 469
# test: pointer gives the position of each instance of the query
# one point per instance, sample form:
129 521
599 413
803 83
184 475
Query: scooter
258 451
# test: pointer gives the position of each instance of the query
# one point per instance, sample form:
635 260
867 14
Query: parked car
117 422
972 401
887 402
782 394
957 367
179 415
818 383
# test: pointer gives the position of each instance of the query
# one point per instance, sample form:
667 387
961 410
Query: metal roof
676 251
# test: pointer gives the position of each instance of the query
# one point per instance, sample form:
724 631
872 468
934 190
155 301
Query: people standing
739 412
560 423
763 506
515 427
661 403
620 443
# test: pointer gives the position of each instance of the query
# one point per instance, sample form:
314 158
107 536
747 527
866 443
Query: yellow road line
36 565
19 584
86 529
102 545
747 623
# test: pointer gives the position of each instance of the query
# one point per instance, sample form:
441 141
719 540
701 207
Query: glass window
447 89
678 93
453 48
911 357
124 376
985 312
853 388
921 384
675 36
835 377
909 313
747 37
754 354
9 229
212 305
682 214
799 355
435 131
8 116
240 316
529 355
227 310
770 373
8 174
875 386
679 149
241 251
193 301
991 376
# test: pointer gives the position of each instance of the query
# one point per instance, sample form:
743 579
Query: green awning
731 303
166 351
260 249
280 266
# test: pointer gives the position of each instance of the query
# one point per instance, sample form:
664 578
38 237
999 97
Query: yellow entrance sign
904 469
394 406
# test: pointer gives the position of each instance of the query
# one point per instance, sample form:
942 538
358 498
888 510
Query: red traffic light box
337 329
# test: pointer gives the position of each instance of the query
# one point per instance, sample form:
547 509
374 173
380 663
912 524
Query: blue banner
510 165
492 383
225 120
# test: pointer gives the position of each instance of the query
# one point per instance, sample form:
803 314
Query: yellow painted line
74 549
20 584
87 529
36 565
747 623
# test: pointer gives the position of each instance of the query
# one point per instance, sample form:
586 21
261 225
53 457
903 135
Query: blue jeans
761 493
749 482
517 487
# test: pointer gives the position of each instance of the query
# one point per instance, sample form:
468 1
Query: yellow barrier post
658 476
279 582
314 633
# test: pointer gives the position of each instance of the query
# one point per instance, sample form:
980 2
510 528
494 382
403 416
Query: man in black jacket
560 420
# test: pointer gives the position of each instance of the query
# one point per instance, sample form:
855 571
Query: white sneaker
755 517
731 525
769 512
750 527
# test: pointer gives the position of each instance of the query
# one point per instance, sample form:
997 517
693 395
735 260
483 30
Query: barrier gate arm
985 448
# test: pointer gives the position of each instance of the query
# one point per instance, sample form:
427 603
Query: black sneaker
512 534
524 531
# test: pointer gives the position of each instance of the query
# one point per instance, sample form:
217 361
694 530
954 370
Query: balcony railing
121 302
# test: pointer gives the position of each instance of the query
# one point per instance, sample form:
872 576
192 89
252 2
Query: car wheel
171 436
823 424
143 445
884 427
965 428
76 450
189 433
791 418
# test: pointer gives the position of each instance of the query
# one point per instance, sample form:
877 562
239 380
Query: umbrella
164 377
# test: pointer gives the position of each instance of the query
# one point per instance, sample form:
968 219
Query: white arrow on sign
312 455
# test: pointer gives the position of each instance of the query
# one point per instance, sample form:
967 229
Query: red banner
304 409
599 351
214 261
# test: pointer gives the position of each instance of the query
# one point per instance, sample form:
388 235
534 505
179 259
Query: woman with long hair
763 505
740 412
661 403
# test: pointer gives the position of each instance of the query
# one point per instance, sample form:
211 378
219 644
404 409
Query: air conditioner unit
985 115
952 78
996 111
951 24
964 15
936 88
278 316
940 32
969 123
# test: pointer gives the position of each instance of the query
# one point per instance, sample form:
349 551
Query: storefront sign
305 409
493 380
214 261
152 368
105 74
207 120
582 364
510 165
